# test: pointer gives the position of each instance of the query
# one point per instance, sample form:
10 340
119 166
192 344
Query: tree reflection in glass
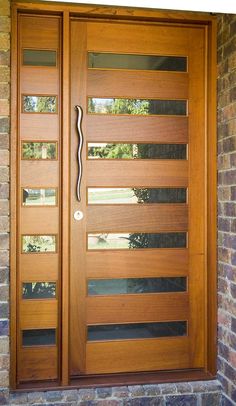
39 290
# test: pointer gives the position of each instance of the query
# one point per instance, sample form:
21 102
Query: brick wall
227 204
4 191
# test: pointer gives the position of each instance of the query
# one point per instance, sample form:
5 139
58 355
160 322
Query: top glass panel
137 62
39 57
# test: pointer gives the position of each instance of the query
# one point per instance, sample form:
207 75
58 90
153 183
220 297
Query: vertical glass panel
135 285
98 150
136 195
137 106
39 150
38 243
39 337
137 330
39 197
137 62
39 104
39 290
102 241
39 57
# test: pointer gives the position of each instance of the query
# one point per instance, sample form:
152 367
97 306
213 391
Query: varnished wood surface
35 220
137 355
137 173
39 32
136 84
137 128
32 127
137 308
139 218
38 80
35 172
44 268
36 314
154 263
38 363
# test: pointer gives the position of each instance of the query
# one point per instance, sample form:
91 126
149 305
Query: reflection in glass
39 104
39 197
137 330
38 243
136 195
135 285
137 62
39 290
98 150
137 106
39 150
103 241
39 57
38 337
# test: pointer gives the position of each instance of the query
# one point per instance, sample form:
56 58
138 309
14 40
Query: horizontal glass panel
137 106
39 57
139 330
137 62
39 150
39 290
38 243
39 197
97 150
39 337
39 104
135 285
136 195
136 240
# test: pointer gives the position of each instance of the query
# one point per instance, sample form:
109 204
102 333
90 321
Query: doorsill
145 378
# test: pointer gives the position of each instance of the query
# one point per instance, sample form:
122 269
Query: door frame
106 13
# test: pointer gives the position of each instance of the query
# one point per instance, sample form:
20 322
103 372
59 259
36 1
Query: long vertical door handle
79 153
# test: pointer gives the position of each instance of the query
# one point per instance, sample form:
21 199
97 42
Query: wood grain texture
135 218
137 355
137 173
35 172
136 84
39 32
44 268
137 308
134 129
32 127
36 314
36 80
37 220
38 363
154 263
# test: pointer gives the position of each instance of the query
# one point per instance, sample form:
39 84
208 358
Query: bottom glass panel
139 330
39 337
135 285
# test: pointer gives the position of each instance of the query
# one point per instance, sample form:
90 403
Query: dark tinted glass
137 62
136 195
137 106
139 330
135 285
98 150
38 337
39 290
39 104
39 57
100 241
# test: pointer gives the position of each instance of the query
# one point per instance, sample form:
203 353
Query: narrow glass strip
137 62
98 150
136 195
39 197
38 290
39 57
39 104
135 285
38 243
142 107
38 337
137 330
112 241
39 150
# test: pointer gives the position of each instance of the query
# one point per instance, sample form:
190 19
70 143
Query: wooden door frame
130 15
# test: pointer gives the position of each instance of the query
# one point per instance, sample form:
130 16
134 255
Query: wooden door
137 293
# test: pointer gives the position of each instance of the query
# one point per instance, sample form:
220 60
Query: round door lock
78 215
